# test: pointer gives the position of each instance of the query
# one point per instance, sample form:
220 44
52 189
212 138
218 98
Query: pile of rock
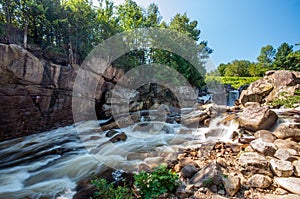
266 167
272 86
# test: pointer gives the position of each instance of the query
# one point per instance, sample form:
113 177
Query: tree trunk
7 14
25 32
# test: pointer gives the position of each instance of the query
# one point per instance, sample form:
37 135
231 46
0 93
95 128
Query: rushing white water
49 164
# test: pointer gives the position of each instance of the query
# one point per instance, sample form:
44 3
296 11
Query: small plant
287 101
208 182
161 180
108 191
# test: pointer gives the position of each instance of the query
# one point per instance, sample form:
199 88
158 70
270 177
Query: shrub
108 191
235 82
287 101
156 183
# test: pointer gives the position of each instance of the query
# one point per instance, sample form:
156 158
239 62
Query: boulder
282 168
209 175
253 163
265 135
284 132
188 171
271 87
297 168
260 181
257 91
256 118
286 154
231 184
287 144
266 148
291 184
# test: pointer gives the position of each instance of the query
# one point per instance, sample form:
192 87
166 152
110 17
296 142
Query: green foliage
287 101
208 182
160 181
238 68
108 191
75 27
281 58
235 82
266 56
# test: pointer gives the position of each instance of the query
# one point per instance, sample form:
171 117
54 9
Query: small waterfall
232 96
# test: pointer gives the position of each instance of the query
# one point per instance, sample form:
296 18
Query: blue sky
237 29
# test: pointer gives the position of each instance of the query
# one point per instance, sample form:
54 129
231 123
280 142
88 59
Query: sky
237 29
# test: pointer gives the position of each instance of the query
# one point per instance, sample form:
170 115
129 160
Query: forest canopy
56 26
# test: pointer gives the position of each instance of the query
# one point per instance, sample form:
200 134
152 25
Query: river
50 164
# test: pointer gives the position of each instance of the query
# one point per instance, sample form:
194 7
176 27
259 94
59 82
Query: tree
221 68
238 68
266 56
130 15
281 57
152 16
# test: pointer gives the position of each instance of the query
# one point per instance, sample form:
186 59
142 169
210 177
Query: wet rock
119 137
188 171
194 117
297 168
291 184
260 181
255 118
282 168
252 163
209 175
284 132
111 133
265 135
231 184
286 154
266 148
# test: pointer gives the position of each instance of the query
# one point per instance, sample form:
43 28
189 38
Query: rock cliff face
35 95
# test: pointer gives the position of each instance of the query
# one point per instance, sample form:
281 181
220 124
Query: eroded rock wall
35 95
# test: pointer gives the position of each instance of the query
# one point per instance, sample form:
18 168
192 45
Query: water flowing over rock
256 118
271 87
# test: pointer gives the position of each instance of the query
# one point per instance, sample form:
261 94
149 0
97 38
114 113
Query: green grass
235 82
